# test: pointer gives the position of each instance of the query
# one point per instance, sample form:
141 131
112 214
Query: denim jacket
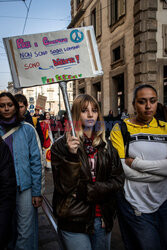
27 158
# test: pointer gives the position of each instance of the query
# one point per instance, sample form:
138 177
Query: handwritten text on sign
54 56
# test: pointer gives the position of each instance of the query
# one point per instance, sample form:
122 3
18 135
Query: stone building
52 92
132 42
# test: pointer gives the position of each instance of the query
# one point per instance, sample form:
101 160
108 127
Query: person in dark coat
38 115
23 104
161 112
87 174
109 122
7 193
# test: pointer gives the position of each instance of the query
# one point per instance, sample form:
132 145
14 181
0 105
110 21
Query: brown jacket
75 194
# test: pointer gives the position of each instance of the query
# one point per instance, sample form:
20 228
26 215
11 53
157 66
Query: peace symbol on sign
76 36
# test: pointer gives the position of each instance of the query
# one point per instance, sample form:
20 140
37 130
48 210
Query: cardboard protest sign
41 101
46 58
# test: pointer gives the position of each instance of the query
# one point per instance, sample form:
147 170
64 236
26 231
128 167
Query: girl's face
145 104
47 116
7 108
88 116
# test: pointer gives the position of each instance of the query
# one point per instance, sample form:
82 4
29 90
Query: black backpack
126 137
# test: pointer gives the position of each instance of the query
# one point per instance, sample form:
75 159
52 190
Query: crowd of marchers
112 166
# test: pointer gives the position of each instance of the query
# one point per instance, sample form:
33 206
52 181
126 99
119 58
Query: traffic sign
31 106
31 99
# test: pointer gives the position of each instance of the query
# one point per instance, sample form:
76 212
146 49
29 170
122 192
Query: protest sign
41 101
46 58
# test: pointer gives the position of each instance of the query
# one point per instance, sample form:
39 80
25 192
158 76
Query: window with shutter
122 8
96 18
119 8
116 10
117 53
109 13
93 19
113 11
164 36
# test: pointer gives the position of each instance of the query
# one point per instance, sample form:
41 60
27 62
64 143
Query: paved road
47 236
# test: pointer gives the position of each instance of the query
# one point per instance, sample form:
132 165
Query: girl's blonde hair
80 103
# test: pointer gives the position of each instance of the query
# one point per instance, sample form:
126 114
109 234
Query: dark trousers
142 231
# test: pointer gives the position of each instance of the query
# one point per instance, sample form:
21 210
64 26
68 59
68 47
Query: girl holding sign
87 173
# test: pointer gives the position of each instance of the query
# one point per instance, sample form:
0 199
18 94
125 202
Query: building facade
132 42
52 92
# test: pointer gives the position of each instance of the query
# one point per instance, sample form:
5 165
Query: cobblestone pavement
47 236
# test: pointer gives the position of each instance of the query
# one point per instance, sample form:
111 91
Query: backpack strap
11 131
126 137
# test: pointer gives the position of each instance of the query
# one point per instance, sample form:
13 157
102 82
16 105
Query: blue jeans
25 231
100 240
145 231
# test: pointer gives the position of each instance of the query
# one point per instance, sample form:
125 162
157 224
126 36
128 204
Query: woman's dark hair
148 86
161 112
12 98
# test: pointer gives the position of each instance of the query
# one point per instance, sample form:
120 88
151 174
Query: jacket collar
153 123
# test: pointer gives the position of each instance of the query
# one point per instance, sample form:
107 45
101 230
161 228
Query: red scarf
92 157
